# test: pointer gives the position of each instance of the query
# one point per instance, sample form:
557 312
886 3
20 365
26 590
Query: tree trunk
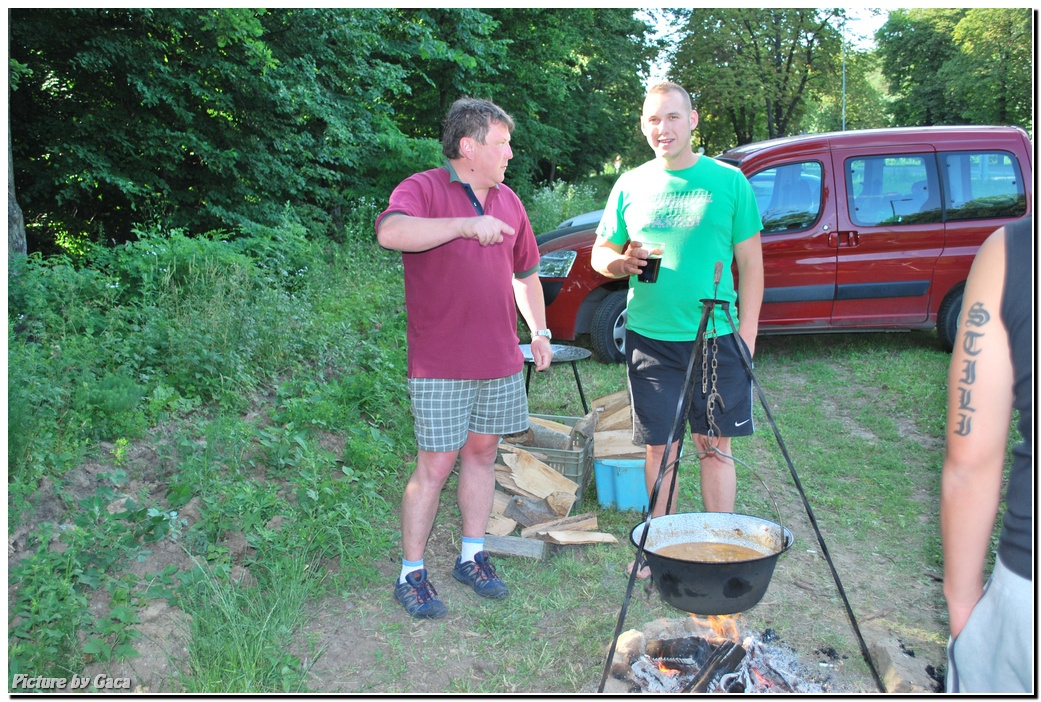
15 221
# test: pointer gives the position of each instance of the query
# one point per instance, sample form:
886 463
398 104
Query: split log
558 427
571 538
523 438
584 427
505 449
529 510
514 546
499 502
531 477
579 522
620 418
504 477
609 403
500 525
616 444
561 502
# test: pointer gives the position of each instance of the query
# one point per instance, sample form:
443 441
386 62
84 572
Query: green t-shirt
699 213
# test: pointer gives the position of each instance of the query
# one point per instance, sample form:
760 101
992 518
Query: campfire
705 655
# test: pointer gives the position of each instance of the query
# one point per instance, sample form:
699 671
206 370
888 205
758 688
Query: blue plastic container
620 483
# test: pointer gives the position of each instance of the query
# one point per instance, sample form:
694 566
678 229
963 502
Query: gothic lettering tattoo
976 317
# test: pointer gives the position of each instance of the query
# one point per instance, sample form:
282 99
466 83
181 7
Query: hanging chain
713 395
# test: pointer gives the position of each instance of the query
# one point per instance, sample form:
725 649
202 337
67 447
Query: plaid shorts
447 410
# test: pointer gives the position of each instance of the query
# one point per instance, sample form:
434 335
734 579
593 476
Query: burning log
668 657
724 659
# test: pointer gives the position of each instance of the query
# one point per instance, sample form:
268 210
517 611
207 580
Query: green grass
238 634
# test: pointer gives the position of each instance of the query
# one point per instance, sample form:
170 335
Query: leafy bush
551 205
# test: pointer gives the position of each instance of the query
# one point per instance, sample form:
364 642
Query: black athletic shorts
656 373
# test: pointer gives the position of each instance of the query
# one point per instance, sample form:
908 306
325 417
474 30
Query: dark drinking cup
649 273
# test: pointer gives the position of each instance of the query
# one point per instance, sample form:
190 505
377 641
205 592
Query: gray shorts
995 651
656 373
447 410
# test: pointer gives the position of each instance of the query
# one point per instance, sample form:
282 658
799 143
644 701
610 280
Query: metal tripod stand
708 308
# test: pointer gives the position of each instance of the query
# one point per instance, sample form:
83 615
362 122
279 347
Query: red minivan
862 230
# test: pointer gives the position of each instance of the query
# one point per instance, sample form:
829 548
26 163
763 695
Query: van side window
983 185
789 196
889 190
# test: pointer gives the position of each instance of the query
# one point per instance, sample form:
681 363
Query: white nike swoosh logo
737 424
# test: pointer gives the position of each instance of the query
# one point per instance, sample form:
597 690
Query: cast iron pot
712 588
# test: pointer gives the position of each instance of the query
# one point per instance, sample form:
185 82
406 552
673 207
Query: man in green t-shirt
699 212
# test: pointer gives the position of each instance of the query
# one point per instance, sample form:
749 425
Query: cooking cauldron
712 588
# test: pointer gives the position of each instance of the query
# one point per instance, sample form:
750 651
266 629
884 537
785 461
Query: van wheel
607 329
947 317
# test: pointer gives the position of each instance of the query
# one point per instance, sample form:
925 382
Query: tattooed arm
979 410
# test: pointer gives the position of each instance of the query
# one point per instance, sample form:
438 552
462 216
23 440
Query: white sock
409 567
471 547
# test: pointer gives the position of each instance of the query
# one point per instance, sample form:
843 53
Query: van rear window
908 189
983 185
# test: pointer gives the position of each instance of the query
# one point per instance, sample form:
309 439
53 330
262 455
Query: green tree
867 105
204 119
752 70
914 45
991 72
236 119
571 79
444 54
581 74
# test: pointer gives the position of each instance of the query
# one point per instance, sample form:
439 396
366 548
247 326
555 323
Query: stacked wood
614 429
614 412
528 476
616 444
537 498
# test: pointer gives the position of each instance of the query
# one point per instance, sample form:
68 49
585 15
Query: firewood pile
533 501
614 428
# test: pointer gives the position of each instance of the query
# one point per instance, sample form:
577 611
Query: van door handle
848 239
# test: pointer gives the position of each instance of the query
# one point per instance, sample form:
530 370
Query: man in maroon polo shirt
470 261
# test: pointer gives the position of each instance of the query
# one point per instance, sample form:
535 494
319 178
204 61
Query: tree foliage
991 74
914 45
221 118
751 70
244 120
866 100
571 79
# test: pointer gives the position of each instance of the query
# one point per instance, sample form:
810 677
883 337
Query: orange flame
666 670
724 627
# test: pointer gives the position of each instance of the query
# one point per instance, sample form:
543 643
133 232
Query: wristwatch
544 332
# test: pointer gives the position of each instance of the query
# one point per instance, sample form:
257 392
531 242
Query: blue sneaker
419 597
480 575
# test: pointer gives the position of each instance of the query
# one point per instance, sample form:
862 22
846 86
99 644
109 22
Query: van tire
607 329
947 317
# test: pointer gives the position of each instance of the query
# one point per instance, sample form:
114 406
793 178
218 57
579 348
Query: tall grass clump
552 204
240 637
